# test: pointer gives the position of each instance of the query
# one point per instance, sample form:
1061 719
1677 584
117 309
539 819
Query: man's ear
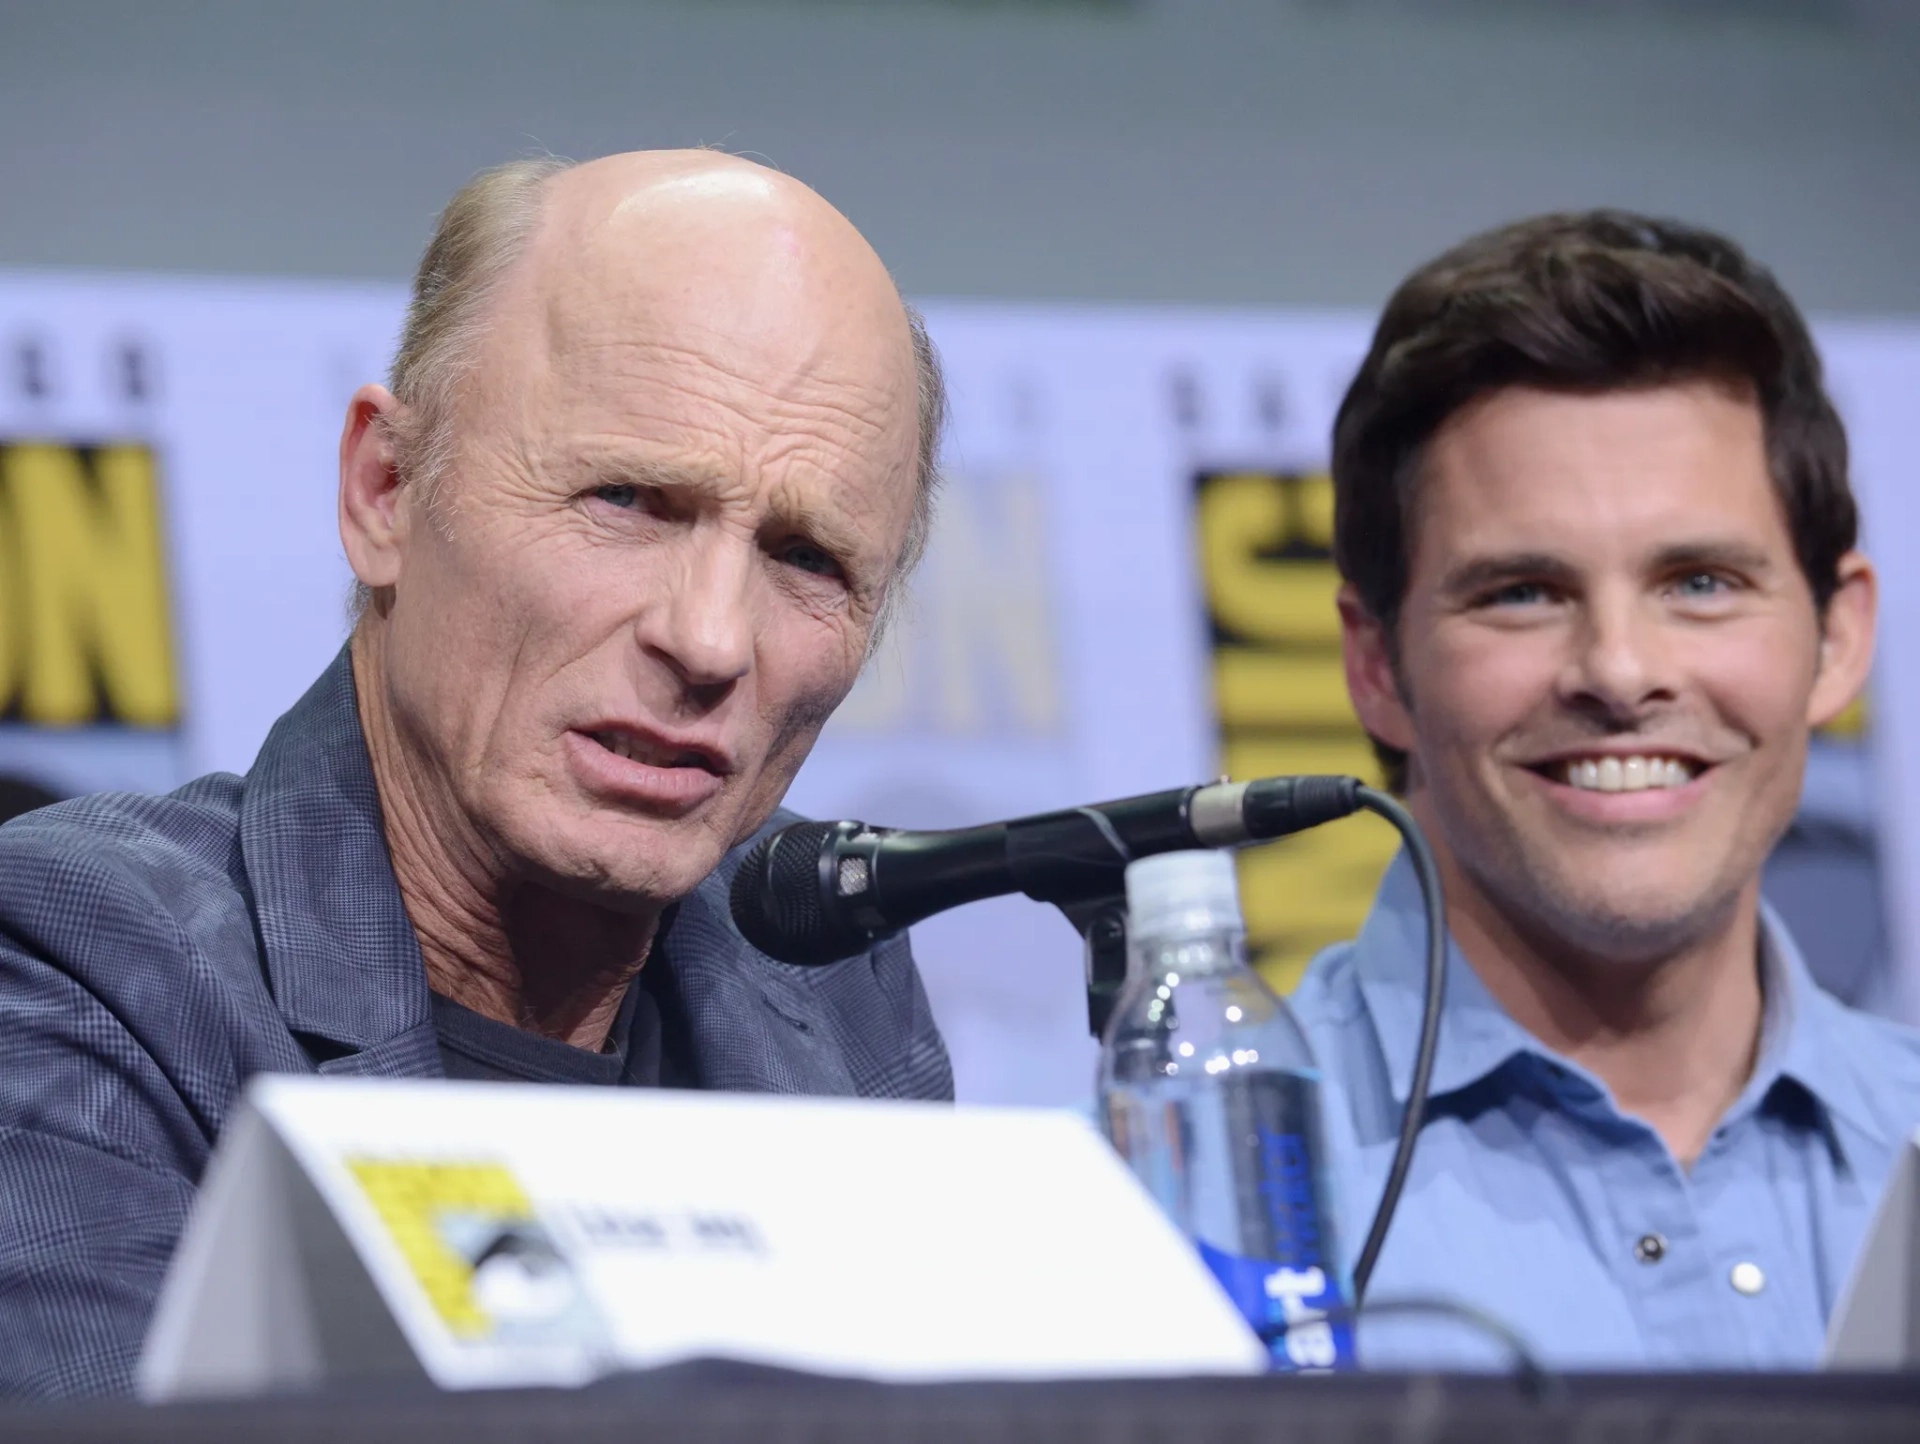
373 522
1372 681
1846 640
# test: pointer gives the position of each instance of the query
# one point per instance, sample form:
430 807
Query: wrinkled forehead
706 287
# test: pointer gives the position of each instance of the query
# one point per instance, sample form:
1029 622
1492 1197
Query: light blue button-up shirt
1535 1199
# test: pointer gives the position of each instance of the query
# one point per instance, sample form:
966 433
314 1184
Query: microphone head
783 899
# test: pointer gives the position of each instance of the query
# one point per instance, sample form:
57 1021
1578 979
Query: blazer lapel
754 1025
342 959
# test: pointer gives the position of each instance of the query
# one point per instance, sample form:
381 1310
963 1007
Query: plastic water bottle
1210 1093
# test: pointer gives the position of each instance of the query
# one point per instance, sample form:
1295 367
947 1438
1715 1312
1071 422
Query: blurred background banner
1129 587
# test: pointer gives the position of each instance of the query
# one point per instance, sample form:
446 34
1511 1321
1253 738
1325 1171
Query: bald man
657 450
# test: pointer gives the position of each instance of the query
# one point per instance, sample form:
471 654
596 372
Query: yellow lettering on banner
1850 725
411 1198
1262 600
1312 497
92 590
10 639
1280 690
1254 688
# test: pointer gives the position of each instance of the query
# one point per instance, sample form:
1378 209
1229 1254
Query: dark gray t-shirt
477 1047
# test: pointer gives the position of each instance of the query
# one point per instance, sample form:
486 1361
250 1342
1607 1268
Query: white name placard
491 1235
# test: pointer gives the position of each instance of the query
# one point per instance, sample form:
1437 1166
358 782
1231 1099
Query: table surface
733 1402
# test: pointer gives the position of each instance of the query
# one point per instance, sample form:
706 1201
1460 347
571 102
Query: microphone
816 892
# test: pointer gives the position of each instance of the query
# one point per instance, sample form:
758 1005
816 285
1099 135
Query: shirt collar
1476 1034
1800 1034
1804 1037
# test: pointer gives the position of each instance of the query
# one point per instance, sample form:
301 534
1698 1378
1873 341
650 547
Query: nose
703 628
1621 662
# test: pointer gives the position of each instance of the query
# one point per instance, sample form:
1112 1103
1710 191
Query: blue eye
808 558
620 496
1698 585
1517 594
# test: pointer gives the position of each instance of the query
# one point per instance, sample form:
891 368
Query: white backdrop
1056 652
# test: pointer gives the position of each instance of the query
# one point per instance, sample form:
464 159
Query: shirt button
1747 1279
1650 1248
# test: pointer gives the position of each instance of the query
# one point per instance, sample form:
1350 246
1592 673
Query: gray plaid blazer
157 952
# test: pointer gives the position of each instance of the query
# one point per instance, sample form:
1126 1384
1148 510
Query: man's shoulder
196 826
1884 1037
110 868
1883 1054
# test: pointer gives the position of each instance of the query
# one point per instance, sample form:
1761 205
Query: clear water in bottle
1209 1090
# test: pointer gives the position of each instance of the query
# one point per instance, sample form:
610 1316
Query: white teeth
1626 774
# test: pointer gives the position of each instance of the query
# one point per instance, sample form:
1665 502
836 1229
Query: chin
1628 921
626 863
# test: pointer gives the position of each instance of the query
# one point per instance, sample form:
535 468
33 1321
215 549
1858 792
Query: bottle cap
1182 892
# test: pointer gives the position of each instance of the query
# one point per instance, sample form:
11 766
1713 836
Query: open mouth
1642 772
644 750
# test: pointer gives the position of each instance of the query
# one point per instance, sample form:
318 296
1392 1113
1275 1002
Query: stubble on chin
1583 908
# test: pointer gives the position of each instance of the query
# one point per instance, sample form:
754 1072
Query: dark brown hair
1593 301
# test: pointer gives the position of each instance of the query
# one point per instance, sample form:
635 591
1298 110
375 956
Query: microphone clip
1054 859
1102 925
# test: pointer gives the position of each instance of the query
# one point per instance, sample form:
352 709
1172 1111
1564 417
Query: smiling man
1598 546
658 450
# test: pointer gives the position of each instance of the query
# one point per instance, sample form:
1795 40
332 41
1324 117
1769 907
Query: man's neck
504 947
1675 1038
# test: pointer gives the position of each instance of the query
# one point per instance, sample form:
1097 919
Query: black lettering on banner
1280 694
132 368
1270 404
32 373
85 628
1189 411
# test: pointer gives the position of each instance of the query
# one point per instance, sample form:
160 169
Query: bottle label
1284 1276
1288 1307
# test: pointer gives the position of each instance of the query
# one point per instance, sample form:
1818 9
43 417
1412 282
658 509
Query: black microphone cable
1427 871
1537 1382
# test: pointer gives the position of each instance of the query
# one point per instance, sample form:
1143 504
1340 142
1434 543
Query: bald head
692 239
702 222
